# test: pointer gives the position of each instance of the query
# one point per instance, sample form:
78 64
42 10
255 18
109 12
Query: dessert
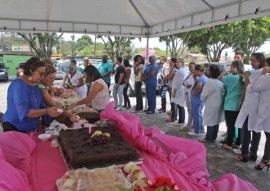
105 179
104 146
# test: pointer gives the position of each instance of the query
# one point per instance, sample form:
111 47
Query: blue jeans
118 95
162 91
151 96
196 112
212 132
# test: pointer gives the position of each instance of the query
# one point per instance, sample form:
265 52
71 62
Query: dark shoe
149 112
146 110
170 120
236 146
263 164
162 111
252 157
124 107
242 158
128 107
223 141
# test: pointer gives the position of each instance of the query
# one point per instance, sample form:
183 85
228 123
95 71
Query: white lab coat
250 105
75 80
212 95
178 79
261 86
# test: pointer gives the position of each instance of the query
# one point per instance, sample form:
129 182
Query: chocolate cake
79 151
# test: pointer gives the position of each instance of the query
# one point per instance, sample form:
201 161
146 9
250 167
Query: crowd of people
236 96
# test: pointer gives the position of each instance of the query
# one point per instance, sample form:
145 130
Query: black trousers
212 132
138 93
9 127
266 155
230 119
181 111
256 137
126 98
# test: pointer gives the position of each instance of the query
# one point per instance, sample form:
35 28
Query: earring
30 78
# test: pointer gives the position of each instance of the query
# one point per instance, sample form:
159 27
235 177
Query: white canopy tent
137 18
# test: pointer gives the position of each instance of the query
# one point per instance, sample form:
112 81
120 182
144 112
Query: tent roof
138 18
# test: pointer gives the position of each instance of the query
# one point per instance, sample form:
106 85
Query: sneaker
237 151
194 134
118 109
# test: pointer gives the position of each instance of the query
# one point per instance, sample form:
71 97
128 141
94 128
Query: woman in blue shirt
196 102
24 100
150 80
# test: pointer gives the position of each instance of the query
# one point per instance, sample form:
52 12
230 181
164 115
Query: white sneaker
192 133
118 109
237 151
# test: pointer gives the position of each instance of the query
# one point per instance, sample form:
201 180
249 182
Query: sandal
185 129
225 146
242 158
170 120
203 141
263 163
252 157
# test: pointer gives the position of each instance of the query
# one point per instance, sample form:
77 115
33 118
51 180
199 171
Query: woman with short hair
212 95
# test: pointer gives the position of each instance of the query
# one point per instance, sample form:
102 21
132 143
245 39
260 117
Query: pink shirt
102 98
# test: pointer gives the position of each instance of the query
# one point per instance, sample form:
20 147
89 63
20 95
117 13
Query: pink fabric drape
183 160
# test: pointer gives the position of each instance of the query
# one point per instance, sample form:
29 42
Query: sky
154 42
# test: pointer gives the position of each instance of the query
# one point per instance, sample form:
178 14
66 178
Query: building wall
13 61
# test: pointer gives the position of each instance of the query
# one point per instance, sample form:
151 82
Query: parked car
223 67
3 72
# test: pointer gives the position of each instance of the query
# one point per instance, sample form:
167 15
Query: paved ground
219 160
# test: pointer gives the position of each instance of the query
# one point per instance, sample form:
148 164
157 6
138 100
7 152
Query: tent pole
146 61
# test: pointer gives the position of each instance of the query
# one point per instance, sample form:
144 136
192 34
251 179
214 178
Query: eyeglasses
41 74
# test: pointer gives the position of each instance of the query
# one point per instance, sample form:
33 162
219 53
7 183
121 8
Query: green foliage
253 34
176 43
115 45
83 42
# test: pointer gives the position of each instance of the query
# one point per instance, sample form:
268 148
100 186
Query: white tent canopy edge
134 18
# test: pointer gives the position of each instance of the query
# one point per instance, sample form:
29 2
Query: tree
41 43
254 33
83 42
116 45
176 44
212 41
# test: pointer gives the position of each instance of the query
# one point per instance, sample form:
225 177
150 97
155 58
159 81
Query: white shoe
237 151
192 133
118 109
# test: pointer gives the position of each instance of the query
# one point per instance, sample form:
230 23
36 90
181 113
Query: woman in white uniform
248 113
76 81
178 92
212 95
263 118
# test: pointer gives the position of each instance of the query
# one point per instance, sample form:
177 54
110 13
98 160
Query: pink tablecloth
48 166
